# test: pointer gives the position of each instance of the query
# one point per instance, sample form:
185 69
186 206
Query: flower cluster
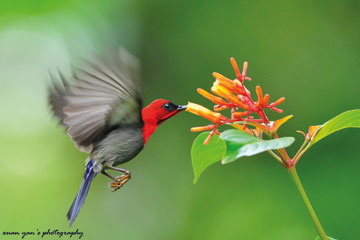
232 94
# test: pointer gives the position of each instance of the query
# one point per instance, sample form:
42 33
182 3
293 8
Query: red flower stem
254 120
262 115
234 120
284 155
247 95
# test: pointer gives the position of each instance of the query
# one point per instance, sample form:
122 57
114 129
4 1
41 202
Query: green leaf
205 155
237 136
241 144
318 238
349 119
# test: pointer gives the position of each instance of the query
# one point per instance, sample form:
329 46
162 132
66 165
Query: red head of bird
156 113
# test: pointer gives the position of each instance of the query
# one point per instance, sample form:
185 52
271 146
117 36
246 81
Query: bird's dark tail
84 188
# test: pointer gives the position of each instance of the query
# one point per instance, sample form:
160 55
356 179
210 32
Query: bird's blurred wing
104 96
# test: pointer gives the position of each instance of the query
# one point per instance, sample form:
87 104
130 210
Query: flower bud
219 76
238 115
211 97
218 108
260 95
207 140
245 66
277 102
266 100
204 128
236 69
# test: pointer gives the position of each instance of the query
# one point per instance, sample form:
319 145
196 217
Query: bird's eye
169 106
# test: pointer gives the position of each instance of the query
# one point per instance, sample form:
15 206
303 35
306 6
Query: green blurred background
307 51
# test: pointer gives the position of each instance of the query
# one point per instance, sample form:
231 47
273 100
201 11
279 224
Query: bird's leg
108 175
119 181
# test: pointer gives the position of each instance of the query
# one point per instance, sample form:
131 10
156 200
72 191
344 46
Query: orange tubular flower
239 115
277 110
277 102
204 128
205 113
218 108
266 100
260 95
236 69
207 140
227 94
219 76
237 96
214 99
245 66
229 84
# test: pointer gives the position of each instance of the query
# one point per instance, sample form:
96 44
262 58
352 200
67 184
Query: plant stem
300 149
300 154
307 203
276 157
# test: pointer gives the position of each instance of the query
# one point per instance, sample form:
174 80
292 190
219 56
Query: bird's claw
120 181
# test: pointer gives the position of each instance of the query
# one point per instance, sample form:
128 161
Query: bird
101 107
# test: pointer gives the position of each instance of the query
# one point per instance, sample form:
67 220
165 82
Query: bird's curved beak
174 112
181 108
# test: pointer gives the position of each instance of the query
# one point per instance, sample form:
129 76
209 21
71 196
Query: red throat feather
155 114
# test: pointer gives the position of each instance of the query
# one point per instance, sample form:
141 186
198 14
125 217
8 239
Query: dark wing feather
104 95
56 100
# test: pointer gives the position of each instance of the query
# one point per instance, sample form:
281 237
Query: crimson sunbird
102 112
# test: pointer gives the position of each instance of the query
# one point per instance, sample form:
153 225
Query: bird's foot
120 181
